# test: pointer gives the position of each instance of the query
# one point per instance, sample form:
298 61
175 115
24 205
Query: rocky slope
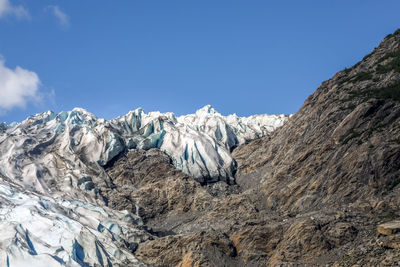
341 146
315 191
338 154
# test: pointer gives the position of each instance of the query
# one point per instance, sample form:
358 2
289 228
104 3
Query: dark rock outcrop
146 182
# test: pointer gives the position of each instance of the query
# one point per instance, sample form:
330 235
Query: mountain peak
207 109
82 111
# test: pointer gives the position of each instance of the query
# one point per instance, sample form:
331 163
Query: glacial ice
49 159
49 144
47 231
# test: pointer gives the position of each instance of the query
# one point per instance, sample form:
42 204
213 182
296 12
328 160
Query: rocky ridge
315 191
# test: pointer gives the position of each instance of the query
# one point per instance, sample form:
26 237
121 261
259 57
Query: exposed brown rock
147 180
253 242
188 261
311 194
199 249
389 228
340 151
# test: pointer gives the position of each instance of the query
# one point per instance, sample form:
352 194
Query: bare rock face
341 146
312 193
147 183
199 249
339 152
389 228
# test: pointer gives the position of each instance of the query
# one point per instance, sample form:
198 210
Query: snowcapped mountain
52 166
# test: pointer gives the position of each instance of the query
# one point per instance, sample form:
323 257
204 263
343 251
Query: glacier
41 231
52 168
56 145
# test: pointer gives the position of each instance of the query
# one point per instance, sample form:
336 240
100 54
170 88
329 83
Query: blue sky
244 57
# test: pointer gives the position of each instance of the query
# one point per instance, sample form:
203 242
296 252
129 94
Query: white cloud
17 87
6 8
62 18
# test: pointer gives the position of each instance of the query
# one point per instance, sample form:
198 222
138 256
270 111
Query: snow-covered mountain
51 212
